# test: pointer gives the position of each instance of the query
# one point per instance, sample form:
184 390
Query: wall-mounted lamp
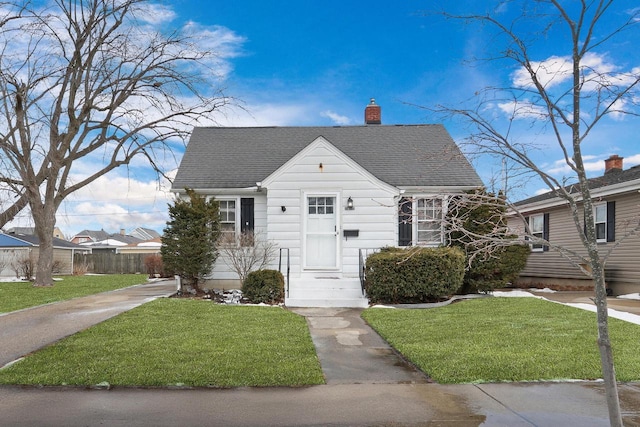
283 208
349 206
259 185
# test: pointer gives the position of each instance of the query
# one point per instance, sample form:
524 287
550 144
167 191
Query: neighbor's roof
7 241
608 179
22 240
400 155
93 234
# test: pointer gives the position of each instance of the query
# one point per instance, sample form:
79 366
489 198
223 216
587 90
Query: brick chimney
613 164
372 114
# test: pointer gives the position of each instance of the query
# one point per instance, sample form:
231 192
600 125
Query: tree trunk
45 222
604 345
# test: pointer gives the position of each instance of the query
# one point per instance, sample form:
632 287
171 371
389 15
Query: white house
327 195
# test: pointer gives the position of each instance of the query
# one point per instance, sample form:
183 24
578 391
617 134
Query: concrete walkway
367 385
350 352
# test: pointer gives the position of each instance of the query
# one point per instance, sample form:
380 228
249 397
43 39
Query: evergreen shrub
497 271
414 275
264 286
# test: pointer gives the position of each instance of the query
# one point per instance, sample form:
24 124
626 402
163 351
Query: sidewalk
367 384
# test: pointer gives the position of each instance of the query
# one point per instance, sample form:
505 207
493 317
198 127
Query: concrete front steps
325 292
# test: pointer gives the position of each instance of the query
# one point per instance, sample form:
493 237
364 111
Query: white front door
321 233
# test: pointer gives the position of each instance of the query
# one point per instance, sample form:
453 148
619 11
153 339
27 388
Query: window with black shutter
405 237
246 214
246 221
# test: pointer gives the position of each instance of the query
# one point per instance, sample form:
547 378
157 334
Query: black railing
288 269
362 266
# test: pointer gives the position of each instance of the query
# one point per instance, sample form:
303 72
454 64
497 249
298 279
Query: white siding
374 213
221 271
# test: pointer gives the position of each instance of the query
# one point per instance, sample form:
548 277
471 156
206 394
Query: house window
429 221
604 217
539 229
321 205
601 222
536 225
227 216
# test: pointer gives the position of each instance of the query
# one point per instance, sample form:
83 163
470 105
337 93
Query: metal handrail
288 269
361 268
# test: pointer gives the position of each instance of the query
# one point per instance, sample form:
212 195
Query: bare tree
246 252
568 95
92 80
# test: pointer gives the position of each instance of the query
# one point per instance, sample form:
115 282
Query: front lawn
180 342
19 295
506 339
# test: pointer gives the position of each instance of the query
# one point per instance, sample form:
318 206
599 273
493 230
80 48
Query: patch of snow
514 293
545 290
635 296
627 317
11 279
381 306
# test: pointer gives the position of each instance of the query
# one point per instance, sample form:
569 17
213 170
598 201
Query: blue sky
297 63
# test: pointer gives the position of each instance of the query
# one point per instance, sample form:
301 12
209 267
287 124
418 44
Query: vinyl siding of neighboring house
9 256
622 270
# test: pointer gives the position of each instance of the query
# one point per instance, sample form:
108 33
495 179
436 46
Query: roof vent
613 164
372 114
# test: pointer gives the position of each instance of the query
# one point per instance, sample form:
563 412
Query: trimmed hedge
264 286
414 275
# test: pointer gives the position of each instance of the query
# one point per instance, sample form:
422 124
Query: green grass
506 339
180 342
19 295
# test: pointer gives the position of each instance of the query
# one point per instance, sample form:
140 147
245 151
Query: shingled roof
400 155
612 177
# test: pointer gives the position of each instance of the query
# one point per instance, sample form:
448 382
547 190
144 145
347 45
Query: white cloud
286 113
632 160
156 14
556 70
522 110
113 202
336 118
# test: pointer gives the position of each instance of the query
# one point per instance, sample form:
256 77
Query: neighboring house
325 195
111 243
32 231
616 200
145 233
18 248
151 246
89 236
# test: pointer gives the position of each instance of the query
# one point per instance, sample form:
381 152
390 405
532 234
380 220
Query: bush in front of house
477 220
264 286
414 275
497 270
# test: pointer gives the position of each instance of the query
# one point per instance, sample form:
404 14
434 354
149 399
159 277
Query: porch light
259 186
349 204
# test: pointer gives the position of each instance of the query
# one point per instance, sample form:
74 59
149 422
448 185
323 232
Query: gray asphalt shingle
400 155
611 178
